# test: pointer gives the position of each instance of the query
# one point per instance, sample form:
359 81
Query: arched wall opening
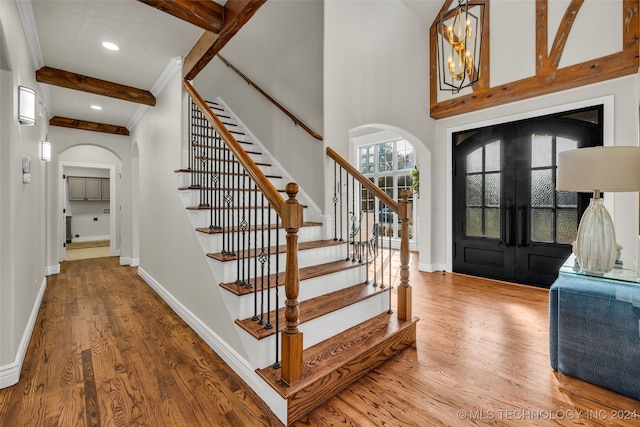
377 133
91 161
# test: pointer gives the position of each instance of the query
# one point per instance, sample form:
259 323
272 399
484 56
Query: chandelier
460 38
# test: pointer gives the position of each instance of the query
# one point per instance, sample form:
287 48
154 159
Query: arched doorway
387 155
95 217
510 223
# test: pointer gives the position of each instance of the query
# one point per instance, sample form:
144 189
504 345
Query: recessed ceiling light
96 107
110 46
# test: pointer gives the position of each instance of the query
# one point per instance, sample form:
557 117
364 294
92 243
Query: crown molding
174 66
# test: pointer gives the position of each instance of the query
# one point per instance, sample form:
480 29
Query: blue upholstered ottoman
594 329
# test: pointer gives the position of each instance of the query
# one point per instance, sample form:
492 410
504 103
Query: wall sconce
26 106
45 151
597 169
460 35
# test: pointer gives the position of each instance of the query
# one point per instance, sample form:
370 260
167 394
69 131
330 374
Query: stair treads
377 338
314 308
208 230
283 249
304 274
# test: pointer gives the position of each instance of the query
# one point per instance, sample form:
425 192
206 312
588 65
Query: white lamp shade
26 106
45 147
599 168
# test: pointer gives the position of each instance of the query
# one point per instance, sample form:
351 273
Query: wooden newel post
404 290
291 336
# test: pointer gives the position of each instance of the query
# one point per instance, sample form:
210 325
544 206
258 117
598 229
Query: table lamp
597 169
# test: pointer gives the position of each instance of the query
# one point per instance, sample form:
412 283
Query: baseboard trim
90 238
52 269
238 363
430 268
133 262
10 374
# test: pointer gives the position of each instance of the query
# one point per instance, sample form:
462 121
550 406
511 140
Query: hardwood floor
107 351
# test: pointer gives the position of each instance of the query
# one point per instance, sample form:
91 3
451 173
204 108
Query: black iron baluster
269 325
341 206
255 254
355 224
243 229
262 258
247 261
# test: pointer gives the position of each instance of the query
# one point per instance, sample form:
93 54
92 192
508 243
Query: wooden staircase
348 326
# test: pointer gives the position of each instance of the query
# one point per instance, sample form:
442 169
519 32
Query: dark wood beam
91 126
82 83
548 78
206 14
237 13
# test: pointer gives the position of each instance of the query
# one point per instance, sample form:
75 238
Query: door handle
522 226
508 226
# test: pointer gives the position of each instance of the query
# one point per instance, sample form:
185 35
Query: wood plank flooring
106 351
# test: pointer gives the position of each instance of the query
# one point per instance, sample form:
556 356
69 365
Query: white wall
89 148
376 73
169 249
280 49
22 208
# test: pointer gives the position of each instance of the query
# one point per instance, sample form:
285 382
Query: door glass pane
542 225
492 222
492 189
474 161
474 190
566 199
567 225
474 222
492 157
542 188
541 150
483 191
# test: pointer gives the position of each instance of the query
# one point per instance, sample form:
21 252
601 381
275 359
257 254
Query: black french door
510 223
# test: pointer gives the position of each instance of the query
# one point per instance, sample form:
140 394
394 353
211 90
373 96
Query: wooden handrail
377 192
296 120
258 177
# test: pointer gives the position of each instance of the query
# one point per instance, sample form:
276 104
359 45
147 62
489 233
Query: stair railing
354 199
250 82
236 191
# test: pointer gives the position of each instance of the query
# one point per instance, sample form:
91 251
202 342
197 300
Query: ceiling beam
82 83
91 126
237 13
206 14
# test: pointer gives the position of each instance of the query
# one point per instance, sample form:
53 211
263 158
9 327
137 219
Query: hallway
106 350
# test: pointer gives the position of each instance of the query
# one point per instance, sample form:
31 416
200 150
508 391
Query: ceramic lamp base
596 248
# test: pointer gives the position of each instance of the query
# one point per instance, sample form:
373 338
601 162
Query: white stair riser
228 271
201 218
262 352
212 243
242 307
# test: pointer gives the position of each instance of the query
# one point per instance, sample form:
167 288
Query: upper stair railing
355 211
295 119
241 199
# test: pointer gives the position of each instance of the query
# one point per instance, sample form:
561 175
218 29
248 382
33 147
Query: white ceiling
69 34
